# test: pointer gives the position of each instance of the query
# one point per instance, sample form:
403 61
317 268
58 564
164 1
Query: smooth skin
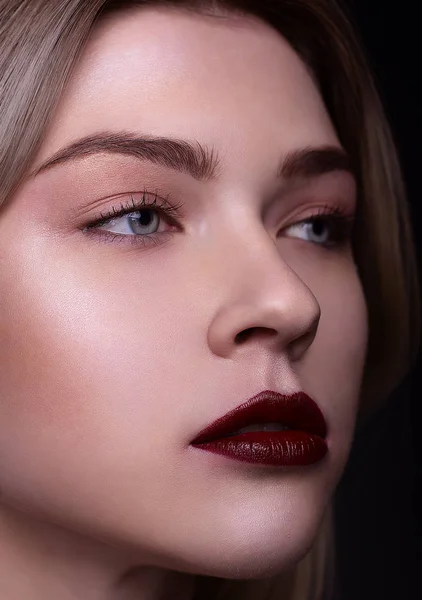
115 355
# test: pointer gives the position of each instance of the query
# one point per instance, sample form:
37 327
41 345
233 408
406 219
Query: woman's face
119 342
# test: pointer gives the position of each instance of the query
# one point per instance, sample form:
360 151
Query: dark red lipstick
301 441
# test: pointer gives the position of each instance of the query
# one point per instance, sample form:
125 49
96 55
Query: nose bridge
265 298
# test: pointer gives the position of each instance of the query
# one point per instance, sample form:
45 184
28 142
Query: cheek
82 384
95 351
72 337
333 367
77 358
344 334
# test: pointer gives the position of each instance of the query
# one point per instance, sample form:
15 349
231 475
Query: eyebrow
311 162
200 162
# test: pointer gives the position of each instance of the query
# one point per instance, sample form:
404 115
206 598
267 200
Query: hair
40 43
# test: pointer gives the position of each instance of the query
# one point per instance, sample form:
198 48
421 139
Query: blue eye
141 222
329 227
136 222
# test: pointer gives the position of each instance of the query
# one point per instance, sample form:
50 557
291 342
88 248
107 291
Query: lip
302 444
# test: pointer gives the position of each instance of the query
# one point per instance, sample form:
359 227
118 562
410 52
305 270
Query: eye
330 227
136 222
145 221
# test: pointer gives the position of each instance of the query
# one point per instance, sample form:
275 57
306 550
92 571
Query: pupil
142 219
319 227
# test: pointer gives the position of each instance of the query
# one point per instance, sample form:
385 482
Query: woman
179 396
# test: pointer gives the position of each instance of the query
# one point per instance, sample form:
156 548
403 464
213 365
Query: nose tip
289 326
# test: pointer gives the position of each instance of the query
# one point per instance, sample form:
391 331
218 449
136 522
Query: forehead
221 80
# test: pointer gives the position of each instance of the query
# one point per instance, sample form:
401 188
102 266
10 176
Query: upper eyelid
160 203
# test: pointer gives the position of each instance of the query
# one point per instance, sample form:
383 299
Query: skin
115 356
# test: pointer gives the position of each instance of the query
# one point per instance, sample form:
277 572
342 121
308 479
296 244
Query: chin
249 555
257 564
264 567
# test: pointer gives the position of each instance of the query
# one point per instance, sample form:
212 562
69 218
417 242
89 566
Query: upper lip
296 411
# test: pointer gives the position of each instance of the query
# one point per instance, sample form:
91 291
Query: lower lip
277 448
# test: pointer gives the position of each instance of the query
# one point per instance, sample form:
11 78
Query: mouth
270 429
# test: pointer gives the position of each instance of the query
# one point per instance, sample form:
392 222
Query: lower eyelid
149 240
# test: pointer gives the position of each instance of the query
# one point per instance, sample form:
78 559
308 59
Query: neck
41 560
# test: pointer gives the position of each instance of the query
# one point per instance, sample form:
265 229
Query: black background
379 500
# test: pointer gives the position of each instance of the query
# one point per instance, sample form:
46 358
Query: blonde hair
40 42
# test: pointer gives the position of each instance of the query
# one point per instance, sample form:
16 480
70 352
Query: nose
267 304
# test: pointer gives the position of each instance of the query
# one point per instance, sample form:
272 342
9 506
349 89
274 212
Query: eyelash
339 221
163 206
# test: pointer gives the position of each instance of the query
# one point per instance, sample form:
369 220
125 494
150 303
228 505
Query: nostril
244 335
